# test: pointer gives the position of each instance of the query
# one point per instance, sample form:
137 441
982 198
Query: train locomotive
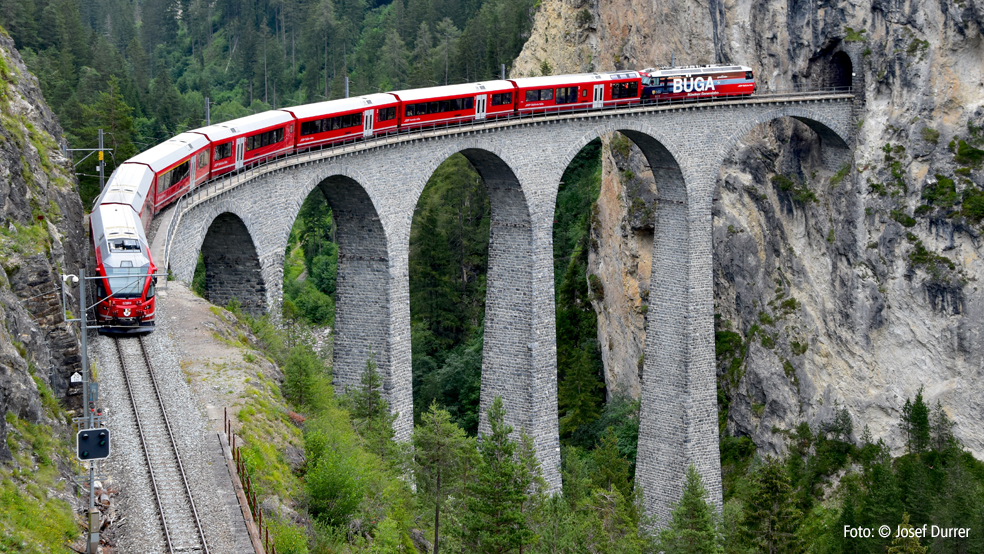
147 183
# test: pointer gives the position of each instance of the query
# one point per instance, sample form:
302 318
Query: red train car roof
433 93
244 125
171 151
331 107
558 80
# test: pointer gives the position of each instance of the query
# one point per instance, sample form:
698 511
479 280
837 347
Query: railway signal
93 444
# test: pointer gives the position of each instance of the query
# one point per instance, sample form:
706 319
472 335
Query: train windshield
127 282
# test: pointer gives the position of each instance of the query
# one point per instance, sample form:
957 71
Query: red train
145 184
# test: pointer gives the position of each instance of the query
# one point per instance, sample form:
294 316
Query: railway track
179 519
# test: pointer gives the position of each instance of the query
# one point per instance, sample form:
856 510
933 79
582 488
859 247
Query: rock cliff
41 236
833 290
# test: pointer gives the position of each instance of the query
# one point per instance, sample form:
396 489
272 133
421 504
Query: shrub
930 135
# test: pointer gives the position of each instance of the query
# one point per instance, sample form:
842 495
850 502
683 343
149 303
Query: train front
126 290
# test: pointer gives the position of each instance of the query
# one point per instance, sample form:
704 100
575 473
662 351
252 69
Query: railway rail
180 523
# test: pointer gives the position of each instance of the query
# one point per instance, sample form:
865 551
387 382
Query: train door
240 151
194 171
367 123
480 106
599 97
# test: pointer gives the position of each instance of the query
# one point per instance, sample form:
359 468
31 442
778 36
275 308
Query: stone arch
507 359
232 266
834 137
364 299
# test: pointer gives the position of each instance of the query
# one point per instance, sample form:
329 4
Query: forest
141 71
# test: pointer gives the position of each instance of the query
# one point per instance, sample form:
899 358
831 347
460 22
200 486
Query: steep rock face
835 289
41 236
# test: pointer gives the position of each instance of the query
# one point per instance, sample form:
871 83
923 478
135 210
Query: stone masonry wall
375 191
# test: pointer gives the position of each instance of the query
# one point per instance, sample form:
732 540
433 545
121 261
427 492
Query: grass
32 520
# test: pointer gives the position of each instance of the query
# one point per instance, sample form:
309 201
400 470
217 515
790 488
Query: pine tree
370 413
495 523
915 424
578 394
442 452
692 529
611 467
771 517
908 544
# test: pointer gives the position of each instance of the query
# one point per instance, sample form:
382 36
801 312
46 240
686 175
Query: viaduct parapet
241 225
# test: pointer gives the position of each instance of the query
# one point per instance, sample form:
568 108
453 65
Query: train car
178 164
339 120
126 290
696 82
454 103
570 92
249 140
131 184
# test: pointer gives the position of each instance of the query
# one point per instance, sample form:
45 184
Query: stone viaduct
241 225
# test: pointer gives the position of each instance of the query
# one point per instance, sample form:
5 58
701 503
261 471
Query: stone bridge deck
241 224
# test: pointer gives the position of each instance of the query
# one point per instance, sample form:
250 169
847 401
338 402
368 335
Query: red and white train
145 184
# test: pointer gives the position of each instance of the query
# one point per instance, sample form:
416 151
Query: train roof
690 70
243 125
129 184
171 151
555 80
413 95
341 105
119 235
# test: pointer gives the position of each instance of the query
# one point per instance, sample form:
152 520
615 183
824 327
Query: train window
566 95
469 103
625 90
202 159
223 151
584 93
150 290
264 139
173 177
385 114
445 106
433 107
546 94
127 282
124 245
532 96
748 75
409 111
503 99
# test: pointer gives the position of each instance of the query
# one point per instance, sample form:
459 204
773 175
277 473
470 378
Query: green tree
908 544
693 529
370 413
577 395
611 467
915 424
771 517
442 456
300 375
496 522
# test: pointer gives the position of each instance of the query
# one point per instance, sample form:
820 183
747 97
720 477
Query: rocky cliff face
850 289
41 236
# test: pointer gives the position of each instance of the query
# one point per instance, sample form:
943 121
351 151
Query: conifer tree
370 413
495 523
771 517
578 394
915 424
442 453
908 544
612 469
692 529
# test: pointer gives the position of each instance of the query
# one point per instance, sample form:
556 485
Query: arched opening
448 265
841 71
783 228
231 267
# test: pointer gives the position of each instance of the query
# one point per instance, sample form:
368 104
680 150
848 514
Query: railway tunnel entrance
230 268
